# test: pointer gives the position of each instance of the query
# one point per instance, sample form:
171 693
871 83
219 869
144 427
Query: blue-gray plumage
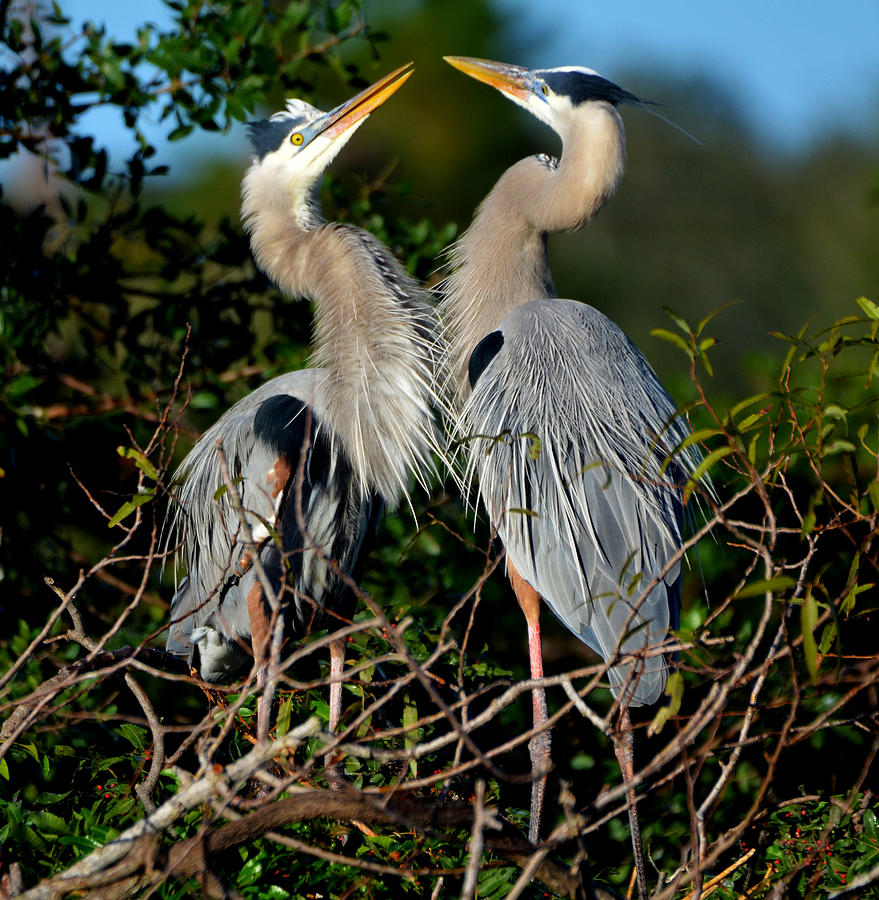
563 422
357 426
263 438
595 514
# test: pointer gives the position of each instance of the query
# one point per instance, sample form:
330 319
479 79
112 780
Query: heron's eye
544 90
296 138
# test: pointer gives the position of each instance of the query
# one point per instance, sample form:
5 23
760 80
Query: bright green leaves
690 342
820 846
144 494
674 690
140 461
766 586
704 468
870 308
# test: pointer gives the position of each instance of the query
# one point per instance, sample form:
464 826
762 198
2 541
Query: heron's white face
293 148
543 102
550 95
296 145
307 143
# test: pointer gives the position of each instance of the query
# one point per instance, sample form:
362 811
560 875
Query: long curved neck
501 261
374 339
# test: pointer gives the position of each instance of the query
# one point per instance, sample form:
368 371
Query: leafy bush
121 327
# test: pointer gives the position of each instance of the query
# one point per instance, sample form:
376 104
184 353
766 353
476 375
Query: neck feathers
501 261
375 341
374 334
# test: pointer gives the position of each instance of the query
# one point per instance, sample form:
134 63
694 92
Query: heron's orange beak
352 111
507 78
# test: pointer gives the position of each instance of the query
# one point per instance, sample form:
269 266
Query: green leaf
703 467
749 421
135 735
250 871
48 823
871 826
828 636
581 762
848 604
223 489
129 507
20 386
31 750
808 619
665 335
744 404
429 544
535 447
4 769
140 461
766 585
835 411
696 437
703 322
869 307
707 364
674 688
204 400
808 523
496 883
682 323
412 735
282 725
838 446
273 892
752 449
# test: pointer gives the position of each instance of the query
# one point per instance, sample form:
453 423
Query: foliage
125 328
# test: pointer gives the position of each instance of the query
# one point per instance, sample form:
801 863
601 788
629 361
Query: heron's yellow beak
507 78
352 111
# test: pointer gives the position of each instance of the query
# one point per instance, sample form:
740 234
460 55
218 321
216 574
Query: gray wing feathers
575 487
211 533
178 641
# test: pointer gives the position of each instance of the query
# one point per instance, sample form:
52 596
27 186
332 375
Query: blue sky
800 69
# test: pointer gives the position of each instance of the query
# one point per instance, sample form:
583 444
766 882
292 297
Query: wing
204 520
306 511
576 428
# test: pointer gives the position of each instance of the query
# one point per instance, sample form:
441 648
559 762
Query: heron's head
552 95
293 148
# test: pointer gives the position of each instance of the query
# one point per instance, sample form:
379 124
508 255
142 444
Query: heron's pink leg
337 664
259 637
539 745
624 747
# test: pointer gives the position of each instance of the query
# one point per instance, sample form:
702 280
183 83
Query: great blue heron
314 454
565 424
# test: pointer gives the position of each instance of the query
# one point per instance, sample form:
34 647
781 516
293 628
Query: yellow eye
544 90
296 138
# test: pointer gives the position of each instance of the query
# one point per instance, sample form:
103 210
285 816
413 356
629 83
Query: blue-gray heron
314 454
566 425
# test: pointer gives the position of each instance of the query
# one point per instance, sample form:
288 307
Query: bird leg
337 664
259 636
539 745
624 747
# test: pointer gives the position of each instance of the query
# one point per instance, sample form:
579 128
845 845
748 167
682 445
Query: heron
314 456
563 421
